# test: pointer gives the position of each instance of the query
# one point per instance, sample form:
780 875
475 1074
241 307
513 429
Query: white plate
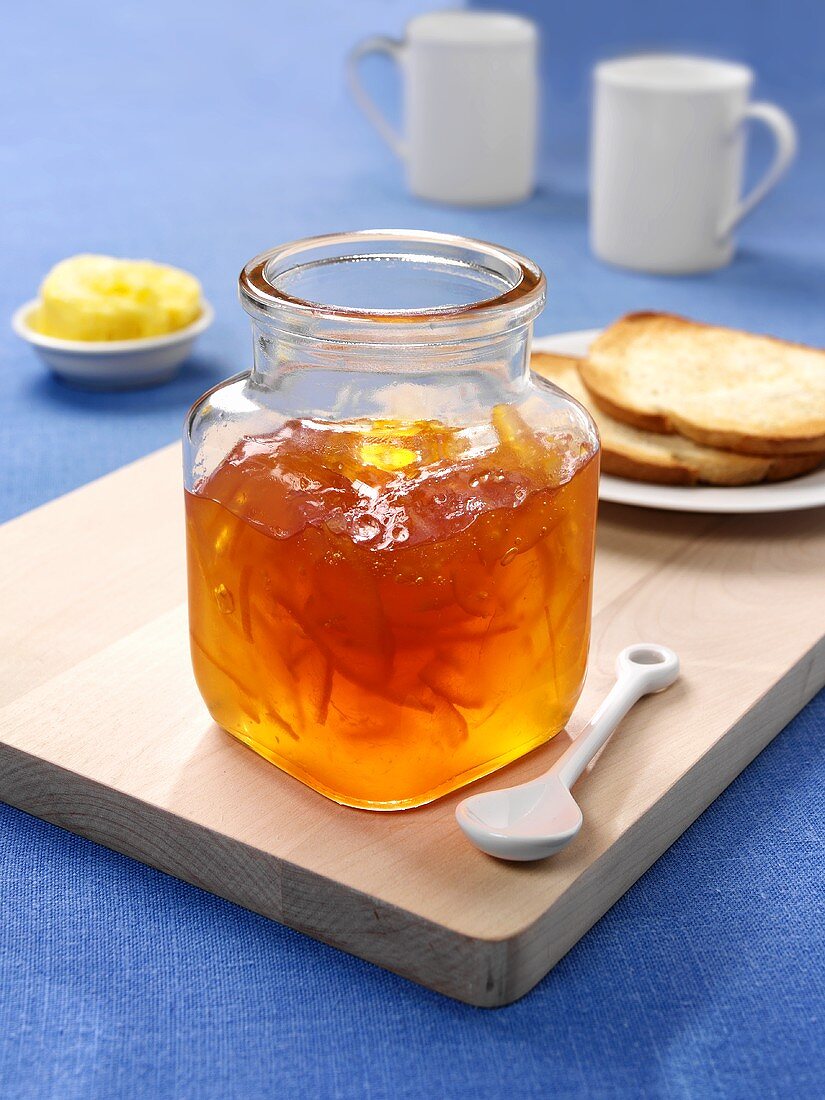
113 364
781 496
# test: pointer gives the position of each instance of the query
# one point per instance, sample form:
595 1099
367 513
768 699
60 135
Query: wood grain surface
102 732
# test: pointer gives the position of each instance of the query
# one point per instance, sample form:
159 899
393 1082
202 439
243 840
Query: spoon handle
640 669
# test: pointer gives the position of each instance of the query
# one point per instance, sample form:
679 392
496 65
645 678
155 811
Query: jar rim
519 300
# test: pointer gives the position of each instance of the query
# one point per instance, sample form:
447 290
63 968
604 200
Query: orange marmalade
386 613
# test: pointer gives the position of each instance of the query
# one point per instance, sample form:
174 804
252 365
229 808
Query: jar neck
306 377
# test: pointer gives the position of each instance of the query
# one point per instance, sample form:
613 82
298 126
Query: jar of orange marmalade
390 521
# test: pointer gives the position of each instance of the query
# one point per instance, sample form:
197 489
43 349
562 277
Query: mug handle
784 132
394 49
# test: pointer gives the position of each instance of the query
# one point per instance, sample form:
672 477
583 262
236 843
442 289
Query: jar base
453 784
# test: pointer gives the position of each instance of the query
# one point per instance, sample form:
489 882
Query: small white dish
781 496
113 364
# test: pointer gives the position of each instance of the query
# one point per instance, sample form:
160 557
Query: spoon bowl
542 817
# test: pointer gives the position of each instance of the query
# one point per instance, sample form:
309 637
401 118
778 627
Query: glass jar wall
390 521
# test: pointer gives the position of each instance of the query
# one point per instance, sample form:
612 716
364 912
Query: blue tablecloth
201 133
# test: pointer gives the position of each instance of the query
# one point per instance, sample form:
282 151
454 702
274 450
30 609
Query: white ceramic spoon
537 819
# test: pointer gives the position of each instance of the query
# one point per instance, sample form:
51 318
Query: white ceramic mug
667 154
470 105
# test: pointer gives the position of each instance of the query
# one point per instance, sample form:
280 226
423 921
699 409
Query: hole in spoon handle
653 666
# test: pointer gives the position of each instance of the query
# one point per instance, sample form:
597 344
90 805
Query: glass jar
390 520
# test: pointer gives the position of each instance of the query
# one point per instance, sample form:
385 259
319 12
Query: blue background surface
199 134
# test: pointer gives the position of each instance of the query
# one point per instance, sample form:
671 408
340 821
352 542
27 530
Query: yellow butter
102 298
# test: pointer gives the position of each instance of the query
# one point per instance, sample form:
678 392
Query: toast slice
717 386
665 459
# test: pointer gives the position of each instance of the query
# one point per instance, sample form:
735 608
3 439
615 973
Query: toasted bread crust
720 387
642 455
645 422
760 446
621 465
788 466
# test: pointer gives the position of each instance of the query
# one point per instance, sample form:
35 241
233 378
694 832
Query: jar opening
389 277
390 283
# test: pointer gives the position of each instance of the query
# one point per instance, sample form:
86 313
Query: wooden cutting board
103 733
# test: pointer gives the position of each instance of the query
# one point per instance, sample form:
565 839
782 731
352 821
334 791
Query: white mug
667 156
470 105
